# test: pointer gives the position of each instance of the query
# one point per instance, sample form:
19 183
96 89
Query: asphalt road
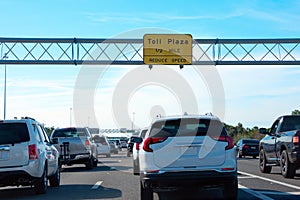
113 179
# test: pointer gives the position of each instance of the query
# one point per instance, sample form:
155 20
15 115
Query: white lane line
246 177
97 185
273 181
254 193
280 193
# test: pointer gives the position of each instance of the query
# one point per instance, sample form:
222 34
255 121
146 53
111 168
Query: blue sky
254 95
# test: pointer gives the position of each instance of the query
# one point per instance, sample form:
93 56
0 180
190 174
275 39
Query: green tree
49 130
296 112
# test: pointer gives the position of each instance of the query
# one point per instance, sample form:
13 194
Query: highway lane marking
254 193
245 177
273 181
280 193
97 185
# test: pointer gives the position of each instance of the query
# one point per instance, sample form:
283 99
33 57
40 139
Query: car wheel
136 169
41 184
254 157
146 192
263 163
240 155
231 190
288 170
95 162
55 179
89 164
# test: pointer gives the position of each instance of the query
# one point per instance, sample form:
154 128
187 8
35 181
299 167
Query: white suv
187 152
26 155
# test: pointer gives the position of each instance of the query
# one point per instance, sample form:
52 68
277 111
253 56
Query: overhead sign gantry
76 51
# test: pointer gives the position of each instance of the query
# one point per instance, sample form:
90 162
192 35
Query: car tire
146 192
254 157
89 164
230 190
263 163
288 170
55 179
41 184
95 162
240 155
136 169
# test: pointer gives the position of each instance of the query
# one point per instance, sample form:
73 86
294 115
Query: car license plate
4 155
253 147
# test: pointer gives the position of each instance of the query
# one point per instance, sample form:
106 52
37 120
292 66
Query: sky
251 95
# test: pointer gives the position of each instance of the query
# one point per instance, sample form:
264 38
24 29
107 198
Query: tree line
236 132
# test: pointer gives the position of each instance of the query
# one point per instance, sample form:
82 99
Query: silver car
26 155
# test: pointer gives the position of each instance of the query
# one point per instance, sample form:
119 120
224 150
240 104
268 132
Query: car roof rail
28 118
209 114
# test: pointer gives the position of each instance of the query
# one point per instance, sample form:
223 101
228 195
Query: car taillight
245 146
87 143
152 140
137 146
32 151
296 139
227 139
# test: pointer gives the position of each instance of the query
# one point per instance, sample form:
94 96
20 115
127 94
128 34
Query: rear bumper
186 179
250 153
295 158
75 159
16 178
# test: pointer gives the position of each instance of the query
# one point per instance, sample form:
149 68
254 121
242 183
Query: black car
247 147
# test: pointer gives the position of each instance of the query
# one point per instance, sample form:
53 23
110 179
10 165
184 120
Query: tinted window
99 139
11 133
187 127
251 142
290 123
143 133
69 132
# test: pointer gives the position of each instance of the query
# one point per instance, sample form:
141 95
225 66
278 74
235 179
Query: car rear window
99 139
187 127
290 123
69 132
251 142
11 133
143 133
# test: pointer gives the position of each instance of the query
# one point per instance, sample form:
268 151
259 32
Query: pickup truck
75 146
280 146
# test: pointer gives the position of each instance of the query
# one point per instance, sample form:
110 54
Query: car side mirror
135 139
263 131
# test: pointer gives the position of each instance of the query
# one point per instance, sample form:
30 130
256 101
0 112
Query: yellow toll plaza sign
167 49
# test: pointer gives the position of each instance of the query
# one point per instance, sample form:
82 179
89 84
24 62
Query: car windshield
11 133
69 132
187 127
